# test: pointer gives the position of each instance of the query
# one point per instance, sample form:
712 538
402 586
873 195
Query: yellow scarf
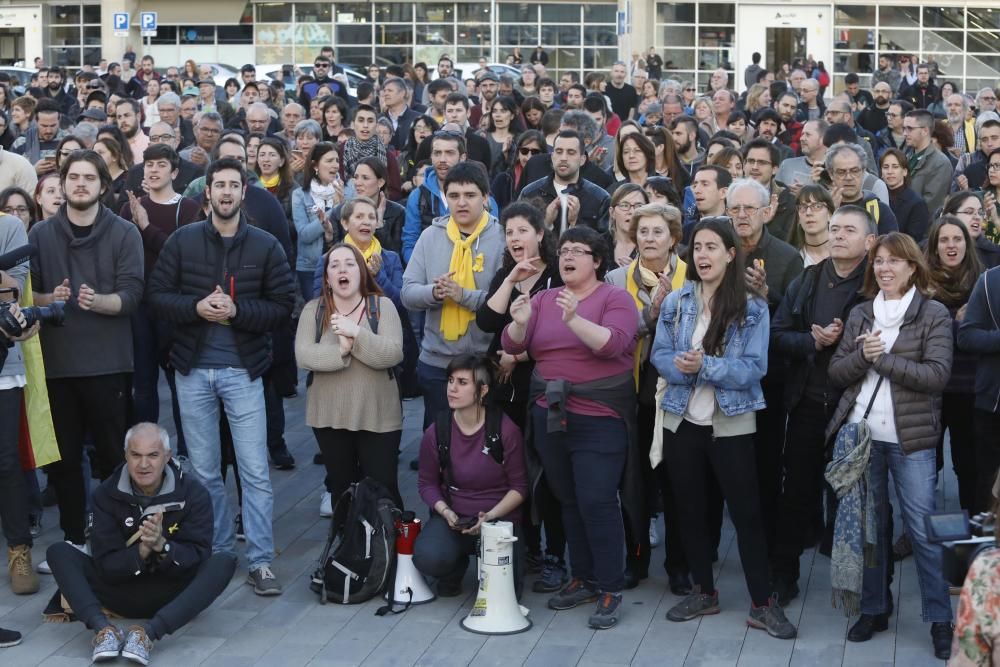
652 284
454 317
270 182
374 248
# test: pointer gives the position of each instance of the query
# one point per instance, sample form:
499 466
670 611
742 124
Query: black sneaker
240 534
576 592
281 457
553 576
771 618
694 605
941 635
9 638
608 612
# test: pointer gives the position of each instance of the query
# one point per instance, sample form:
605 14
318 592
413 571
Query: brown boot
23 580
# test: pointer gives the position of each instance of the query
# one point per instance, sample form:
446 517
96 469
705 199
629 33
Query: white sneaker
43 567
654 534
326 505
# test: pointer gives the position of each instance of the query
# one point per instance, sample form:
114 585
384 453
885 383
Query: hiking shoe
137 645
107 644
281 457
694 605
326 505
941 634
608 612
23 580
654 534
771 617
263 581
553 577
785 590
680 584
9 638
576 592
241 534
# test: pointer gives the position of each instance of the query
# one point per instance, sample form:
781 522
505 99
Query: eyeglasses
524 150
844 173
911 128
574 252
889 114
321 65
160 138
753 162
811 206
741 209
690 90
16 210
209 130
628 206
976 212
994 166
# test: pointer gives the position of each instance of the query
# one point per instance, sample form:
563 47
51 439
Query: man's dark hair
755 58
595 102
723 179
572 134
578 86
922 116
760 76
456 98
546 83
760 142
321 59
685 120
134 103
446 59
91 156
223 164
551 120
437 85
442 135
365 107
992 122
365 90
904 106
47 105
777 89
162 152
466 172
839 132
851 78
573 76
767 113
726 135
397 71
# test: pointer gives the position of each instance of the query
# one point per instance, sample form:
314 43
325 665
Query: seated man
152 551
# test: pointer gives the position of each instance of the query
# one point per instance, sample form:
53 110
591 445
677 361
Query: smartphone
466 523
47 154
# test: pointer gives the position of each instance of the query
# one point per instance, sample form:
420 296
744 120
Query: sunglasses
321 65
524 150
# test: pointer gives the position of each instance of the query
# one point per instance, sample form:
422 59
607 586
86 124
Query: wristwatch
165 551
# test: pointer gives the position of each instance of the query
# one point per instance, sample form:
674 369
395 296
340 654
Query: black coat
911 212
255 270
540 166
390 234
595 202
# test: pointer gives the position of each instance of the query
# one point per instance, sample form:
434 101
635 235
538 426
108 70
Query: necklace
351 311
817 245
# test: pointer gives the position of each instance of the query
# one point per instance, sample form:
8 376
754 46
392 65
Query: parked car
271 72
19 76
466 70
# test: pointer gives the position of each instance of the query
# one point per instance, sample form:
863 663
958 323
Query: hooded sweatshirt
110 260
431 259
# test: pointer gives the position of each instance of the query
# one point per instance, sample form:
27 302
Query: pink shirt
560 354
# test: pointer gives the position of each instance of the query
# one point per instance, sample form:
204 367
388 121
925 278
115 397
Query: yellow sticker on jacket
477 265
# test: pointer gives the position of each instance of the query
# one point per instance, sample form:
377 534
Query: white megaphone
409 588
496 611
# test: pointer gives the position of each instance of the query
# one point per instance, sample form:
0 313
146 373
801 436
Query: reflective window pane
713 59
359 55
681 12
944 17
853 62
436 35
353 12
63 57
393 34
313 33
713 36
473 12
600 13
234 34
433 12
64 14
64 35
394 12
854 15
561 13
944 40
857 38
896 40
563 59
274 12
600 35
91 14
518 12
92 35
274 54
599 59
271 34
518 35
354 34
197 34
983 18
313 11
165 34
672 36
475 35
560 36
947 65
982 66
393 54
91 55
982 42
903 17
711 12
679 59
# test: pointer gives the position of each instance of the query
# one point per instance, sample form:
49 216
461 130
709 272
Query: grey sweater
110 261
12 237
430 260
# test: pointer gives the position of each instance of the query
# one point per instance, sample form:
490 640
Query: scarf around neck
374 248
356 150
455 318
322 194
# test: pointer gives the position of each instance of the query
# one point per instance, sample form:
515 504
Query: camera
51 315
962 539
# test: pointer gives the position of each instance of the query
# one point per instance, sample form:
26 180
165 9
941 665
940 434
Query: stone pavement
242 629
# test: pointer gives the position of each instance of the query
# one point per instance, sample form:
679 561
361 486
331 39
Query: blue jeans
434 383
305 279
199 393
914 477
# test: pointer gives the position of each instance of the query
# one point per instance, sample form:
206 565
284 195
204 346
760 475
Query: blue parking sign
120 21
147 21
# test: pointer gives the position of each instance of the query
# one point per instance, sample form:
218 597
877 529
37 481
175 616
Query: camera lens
51 315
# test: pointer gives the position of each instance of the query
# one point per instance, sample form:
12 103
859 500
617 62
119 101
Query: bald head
258 117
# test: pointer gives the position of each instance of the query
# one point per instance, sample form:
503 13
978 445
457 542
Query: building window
695 39
579 38
72 35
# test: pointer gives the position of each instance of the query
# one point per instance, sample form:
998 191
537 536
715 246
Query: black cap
95 114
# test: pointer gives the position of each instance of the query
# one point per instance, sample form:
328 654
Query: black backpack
494 438
361 549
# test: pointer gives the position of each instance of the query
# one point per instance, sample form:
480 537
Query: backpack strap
494 434
374 312
320 320
442 428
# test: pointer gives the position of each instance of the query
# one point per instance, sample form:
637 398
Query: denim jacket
735 375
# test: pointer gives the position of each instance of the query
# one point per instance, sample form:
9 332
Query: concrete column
641 28
113 47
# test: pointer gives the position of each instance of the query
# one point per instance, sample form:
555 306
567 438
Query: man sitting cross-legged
152 546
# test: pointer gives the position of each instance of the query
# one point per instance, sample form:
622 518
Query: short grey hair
259 106
309 126
212 117
979 95
582 122
142 427
86 133
834 151
748 184
168 98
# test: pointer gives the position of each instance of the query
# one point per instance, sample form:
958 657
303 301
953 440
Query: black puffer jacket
255 271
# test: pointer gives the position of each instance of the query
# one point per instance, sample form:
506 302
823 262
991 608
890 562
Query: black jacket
911 213
390 234
791 333
402 134
980 335
118 514
540 166
256 271
595 202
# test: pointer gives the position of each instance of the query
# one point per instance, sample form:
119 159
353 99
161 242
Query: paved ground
242 629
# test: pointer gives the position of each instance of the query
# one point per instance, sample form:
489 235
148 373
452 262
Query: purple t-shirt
560 354
478 481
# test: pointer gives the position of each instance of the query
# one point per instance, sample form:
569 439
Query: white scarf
322 194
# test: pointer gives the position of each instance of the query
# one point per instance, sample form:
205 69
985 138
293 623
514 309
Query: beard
82 204
131 132
218 210
54 85
684 148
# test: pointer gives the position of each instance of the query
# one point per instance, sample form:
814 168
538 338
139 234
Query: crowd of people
618 298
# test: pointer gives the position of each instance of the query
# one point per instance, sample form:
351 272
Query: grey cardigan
918 368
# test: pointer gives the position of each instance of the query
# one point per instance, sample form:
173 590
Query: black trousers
689 455
168 602
350 456
658 485
987 457
97 406
801 500
958 417
13 490
443 553
769 443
